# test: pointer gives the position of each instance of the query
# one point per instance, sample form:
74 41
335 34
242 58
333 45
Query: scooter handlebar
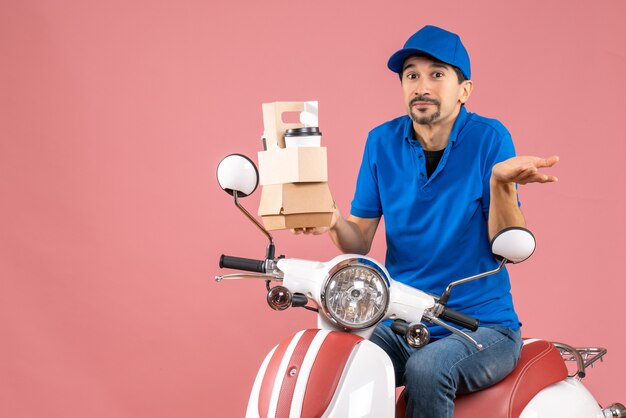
246 264
460 319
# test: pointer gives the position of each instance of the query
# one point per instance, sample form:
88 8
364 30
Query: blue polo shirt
436 228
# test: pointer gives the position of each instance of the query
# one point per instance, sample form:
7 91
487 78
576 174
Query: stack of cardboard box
295 191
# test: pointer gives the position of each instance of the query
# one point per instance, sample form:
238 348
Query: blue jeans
435 373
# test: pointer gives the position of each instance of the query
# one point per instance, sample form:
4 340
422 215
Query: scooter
334 371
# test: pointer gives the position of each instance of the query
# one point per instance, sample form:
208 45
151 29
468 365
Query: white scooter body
366 382
307 277
366 388
567 398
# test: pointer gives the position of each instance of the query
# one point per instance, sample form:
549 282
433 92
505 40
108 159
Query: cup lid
308 131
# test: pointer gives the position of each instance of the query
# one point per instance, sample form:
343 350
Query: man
445 180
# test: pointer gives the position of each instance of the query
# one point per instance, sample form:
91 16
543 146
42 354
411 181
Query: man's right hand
319 230
352 235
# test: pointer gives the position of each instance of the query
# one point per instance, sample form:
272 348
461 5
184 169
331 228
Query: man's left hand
523 170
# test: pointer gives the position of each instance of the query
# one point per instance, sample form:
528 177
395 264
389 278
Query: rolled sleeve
503 149
366 202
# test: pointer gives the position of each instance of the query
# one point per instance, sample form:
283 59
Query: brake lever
236 276
437 321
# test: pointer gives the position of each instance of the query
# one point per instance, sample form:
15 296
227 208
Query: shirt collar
459 123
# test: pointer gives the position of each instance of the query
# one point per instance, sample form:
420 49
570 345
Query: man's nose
422 87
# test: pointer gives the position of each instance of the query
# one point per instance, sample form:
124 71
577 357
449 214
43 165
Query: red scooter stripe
326 372
267 386
291 374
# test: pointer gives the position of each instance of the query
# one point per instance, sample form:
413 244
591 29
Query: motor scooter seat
540 365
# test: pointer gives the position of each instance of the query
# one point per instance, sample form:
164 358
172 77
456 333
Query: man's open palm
523 170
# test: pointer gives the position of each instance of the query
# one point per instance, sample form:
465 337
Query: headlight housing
355 294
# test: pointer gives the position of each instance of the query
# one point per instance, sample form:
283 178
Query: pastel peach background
114 116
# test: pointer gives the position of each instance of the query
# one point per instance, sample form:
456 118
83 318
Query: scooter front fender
329 374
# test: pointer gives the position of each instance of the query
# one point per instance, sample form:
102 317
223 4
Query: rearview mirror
515 244
237 173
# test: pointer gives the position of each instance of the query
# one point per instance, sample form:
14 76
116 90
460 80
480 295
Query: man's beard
420 119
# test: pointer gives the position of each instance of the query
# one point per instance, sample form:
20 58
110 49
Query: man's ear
466 91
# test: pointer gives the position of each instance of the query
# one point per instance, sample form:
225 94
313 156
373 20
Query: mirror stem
446 294
270 248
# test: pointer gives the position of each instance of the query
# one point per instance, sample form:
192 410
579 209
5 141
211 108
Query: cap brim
396 61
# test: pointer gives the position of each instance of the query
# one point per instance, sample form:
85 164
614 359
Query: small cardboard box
293 165
296 205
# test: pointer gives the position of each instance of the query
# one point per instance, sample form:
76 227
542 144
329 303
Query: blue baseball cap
436 42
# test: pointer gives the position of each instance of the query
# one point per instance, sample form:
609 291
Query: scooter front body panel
568 398
367 387
319 373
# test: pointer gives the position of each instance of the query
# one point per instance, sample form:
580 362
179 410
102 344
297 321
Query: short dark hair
457 70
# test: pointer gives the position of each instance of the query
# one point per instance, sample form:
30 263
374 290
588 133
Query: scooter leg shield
317 373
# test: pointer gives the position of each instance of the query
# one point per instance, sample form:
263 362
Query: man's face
432 91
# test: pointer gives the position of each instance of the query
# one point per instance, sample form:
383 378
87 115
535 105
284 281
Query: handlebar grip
238 263
460 319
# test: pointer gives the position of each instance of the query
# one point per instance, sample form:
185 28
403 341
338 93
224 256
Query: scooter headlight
355 294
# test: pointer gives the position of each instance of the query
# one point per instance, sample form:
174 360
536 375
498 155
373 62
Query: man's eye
411 76
438 74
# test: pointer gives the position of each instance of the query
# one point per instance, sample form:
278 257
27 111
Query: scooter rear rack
583 356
